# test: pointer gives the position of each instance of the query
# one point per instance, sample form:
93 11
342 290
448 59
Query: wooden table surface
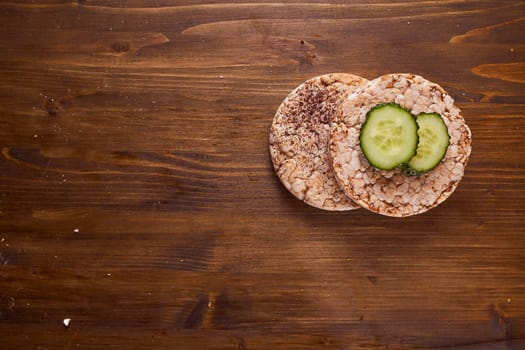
138 199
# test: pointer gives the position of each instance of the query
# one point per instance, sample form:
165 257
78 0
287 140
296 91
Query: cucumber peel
392 137
433 143
389 136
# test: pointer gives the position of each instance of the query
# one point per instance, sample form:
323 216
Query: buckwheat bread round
393 193
299 140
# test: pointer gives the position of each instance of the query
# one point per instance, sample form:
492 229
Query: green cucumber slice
388 136
433 143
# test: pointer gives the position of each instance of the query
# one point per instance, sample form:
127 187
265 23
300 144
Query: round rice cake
393 193
299 140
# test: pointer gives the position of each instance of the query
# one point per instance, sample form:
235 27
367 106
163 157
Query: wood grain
137 196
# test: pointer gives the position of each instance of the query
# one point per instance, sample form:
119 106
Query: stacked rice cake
315 145
299 140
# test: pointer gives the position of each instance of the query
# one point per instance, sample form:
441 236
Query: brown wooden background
143 125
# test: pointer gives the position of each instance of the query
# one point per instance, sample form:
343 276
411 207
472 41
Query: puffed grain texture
299 140
393 193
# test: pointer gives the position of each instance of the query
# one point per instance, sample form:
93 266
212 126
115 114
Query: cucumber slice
388 136
433 143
